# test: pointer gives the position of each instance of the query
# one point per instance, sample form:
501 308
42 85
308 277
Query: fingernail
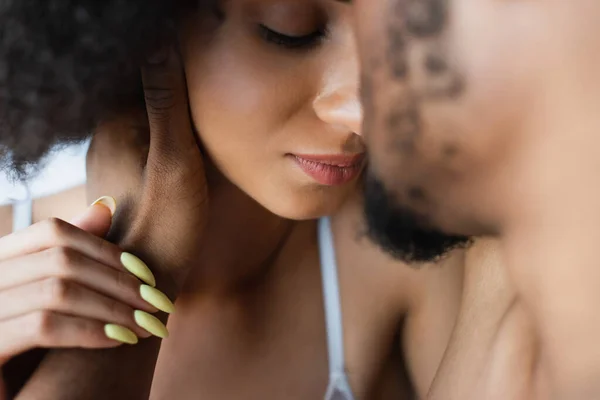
120 334
151 324
108 202
138 268
157 298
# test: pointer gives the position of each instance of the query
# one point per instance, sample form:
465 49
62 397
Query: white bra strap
339 388
22 212
331 294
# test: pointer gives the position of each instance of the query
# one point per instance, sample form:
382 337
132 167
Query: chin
403 232
304 207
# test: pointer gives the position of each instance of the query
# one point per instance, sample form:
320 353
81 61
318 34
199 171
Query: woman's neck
241 241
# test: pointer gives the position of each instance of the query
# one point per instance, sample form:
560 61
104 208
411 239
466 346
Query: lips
331 170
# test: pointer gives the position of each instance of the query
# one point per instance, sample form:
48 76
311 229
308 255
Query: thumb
97 219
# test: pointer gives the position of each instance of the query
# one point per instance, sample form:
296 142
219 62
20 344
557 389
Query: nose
338 104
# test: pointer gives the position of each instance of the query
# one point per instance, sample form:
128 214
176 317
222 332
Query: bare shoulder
420 302
407 284
493 344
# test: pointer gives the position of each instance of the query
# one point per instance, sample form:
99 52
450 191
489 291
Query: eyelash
292 42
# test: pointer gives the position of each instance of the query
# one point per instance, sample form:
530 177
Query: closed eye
292 42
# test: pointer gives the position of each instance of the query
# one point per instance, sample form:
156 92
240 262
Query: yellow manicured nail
108 202
151 324
157 298
120 334
138 268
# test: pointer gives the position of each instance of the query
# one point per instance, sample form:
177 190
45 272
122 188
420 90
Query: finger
67 264
54 232
171 135
52 330
69 298
97 218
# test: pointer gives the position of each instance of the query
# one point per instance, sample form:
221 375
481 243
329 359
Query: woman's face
273 95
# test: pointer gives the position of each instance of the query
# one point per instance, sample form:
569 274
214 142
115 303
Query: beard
401 232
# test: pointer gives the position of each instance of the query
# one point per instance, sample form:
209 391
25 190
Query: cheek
240 86
496 45
222 94
233 110
239 101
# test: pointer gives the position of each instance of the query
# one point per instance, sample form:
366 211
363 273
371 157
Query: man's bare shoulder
422 301
493 344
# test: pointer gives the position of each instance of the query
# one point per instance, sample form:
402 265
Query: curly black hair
67 64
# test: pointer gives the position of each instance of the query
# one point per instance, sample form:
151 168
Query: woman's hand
64 286
162 206
152 164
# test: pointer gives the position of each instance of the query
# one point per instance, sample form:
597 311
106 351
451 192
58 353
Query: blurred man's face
451 90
